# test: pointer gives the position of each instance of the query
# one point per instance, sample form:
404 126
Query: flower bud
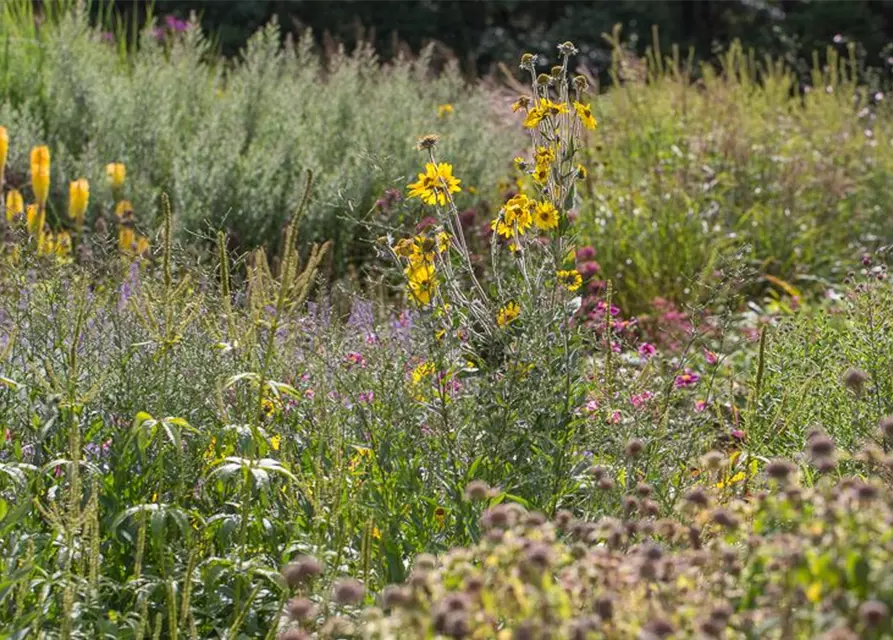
78 197
116 173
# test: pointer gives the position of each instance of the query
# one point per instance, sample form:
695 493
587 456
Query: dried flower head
634 447
780 470
873 613
293 634
300 609
855 379
886 426
713 460
428 141
302 570
477 490
348 591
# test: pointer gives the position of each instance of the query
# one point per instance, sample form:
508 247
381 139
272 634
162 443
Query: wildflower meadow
305 344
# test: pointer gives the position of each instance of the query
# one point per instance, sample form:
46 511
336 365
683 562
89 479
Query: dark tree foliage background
483 32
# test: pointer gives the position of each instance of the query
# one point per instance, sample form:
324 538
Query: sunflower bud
78 197
543 79
528 60
581 84
428 141
556 71
567 48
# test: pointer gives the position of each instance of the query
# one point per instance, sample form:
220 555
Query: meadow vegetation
278 361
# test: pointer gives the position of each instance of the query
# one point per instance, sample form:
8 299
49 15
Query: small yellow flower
15 205
275 441
507 314
116 172
544 155
376 533
422 371
520 163
40 174
435 184
570 279
78 197
581 172
584 112
545 216
444 110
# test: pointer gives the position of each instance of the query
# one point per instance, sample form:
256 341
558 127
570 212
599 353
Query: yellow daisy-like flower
124 210
422 282
584 112
581 172
507 314
434 185
126 239
15 205
444 110
534 117
516 215
570 279
545 216
544 155
552 108
541 173
443 240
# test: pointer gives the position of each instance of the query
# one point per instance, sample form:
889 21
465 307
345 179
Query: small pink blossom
687 379
710 356
353 358
647 350
700 405
615 418
738 434
639 399
366 397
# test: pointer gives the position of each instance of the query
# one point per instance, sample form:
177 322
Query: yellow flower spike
570 279
545 216
46 245
124 210
32 218
584 112
40 174
435 184
116 172
508 314
4 148
444 110
15 205
78 198
125 239
141 245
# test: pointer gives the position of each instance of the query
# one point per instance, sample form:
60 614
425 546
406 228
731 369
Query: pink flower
639 399
700 406
647 350
687 379
711 357
738 434
615 418
585 254
366 397
588 269
309 394
354 358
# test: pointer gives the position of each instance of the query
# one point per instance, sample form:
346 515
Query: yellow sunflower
545 216
584 111
570 279
435 184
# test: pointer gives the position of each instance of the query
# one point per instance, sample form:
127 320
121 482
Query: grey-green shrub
230 141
